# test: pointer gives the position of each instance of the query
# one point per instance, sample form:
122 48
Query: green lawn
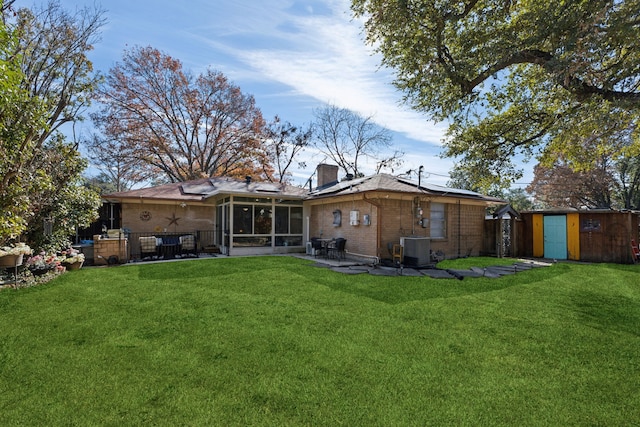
277 341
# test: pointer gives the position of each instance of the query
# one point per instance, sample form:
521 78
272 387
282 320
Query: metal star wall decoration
173 219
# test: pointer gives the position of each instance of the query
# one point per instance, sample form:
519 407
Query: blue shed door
555 236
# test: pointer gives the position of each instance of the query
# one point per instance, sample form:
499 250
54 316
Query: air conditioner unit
416 251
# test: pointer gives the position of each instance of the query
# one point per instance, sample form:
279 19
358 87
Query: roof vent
247 179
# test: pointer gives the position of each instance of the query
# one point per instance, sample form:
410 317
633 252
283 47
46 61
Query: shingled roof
386 182
202 189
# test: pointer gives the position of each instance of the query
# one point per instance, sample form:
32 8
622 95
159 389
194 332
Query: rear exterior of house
225 216
254 218
373 222
374 213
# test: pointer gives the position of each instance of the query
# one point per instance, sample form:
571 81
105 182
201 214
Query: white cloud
326 58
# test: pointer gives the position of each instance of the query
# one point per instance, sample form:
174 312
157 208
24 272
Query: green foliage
474 180
19 115
276 341
47 77
63 200
515 79
104 184
519 199
628 183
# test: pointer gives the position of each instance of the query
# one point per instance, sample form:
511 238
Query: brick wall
361 238
398 218
464 231
188 218
104 249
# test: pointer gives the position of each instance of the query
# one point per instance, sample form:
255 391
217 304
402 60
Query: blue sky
292 56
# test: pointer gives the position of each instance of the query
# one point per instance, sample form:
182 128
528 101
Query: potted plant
73 260
12 256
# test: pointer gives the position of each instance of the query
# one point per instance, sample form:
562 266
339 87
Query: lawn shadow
608 313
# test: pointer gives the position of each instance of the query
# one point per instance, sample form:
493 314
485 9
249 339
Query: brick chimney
327 175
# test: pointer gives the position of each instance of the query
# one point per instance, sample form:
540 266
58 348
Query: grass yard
277 341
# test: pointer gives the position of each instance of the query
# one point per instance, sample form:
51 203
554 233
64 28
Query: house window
282 220
255 219
262 219
242 219
438 222
296 220
288 225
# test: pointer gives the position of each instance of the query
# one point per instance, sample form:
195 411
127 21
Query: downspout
459 228
378 222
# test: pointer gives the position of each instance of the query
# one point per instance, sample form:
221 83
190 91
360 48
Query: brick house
373 213
253 218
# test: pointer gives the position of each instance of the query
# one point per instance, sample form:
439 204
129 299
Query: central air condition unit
417 251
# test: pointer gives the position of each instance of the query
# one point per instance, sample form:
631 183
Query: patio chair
336 249
318 247
148 247
188 245
396 254
635 251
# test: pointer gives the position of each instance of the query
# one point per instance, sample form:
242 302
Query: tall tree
519 199
283 144
346 137
46 83
515 79
628 182
179 125
53 47
117 161
477 176
102 182
561 186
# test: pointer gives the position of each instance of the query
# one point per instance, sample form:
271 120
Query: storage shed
581 235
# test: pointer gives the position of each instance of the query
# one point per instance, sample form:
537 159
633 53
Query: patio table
169 250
